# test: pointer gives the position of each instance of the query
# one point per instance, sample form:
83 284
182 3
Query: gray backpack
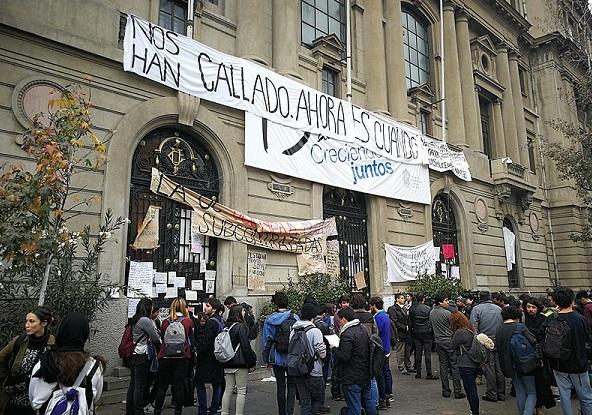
175 338
223 350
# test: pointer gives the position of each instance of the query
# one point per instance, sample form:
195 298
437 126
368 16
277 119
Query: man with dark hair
400 316
440 321
496 298
311 387
276 334
486 317
383 324
230 301
342 302
353 360
572 372
583 299
359 304
423 337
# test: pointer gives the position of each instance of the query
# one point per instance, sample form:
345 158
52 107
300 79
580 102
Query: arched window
416 49
510 246
445 234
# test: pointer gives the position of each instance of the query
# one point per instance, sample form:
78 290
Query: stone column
454 101
285 42
509 119
395 62
250 30
376 98
499 143
469 98
518 110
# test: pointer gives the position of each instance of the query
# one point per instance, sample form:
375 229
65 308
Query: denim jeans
202 398
285 400
385 382
139 365
358 396
525 393
171 371
581 383
312 394
468 376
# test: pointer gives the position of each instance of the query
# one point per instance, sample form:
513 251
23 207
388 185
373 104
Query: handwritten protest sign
256 264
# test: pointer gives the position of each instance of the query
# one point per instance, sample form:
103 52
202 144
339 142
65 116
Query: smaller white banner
442 158
404 264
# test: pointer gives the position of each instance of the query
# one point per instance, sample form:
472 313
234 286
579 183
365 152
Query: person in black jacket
423 336
237 369
353 360
400 316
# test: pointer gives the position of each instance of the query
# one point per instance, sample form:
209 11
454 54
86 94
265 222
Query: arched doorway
445 234
182 157
511 250
349 209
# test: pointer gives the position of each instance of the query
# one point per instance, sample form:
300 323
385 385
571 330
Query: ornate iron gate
349 209
181 157
444 230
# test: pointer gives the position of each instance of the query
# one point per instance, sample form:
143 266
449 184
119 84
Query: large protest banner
443 158
332 162
196 69
404 264
214 219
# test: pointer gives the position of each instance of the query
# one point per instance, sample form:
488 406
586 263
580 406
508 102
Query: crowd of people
541 344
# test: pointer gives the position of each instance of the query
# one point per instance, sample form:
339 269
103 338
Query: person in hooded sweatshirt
312 387
272 332
60 367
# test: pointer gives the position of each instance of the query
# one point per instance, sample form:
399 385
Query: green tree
430 285
43 261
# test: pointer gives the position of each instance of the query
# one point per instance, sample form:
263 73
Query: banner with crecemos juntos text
274 147
214 219
404 264
189 66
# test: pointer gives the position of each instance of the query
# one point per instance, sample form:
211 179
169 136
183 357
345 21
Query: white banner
289 151
196 69
442 158
404 264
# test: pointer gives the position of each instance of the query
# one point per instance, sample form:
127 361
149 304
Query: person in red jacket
173 368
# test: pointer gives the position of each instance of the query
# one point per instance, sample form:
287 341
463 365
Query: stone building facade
505 78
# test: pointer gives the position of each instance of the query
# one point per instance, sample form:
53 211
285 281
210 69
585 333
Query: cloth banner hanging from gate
403 264
214 219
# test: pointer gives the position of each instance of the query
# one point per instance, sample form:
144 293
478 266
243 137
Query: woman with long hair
237 369
145 336
172 365
462 338
60 367
17 359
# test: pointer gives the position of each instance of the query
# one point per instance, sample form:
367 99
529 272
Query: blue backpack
524 356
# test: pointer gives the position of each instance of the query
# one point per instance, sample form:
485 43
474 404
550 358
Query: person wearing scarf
61 366
18 358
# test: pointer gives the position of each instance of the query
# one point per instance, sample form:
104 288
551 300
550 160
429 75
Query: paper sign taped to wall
147 237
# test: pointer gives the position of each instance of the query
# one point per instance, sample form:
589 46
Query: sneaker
411 370
432 377
381 404
390 398
418 375
459 396
488 399
446 394
149 409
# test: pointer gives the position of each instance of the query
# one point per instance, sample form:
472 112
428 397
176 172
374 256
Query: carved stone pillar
508 115
518 110
499 143
375 68
250 31
285 42
395 62
469 98
454 102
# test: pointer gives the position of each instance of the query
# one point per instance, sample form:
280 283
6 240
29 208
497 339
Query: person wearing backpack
463 334
250 320
135 350
383 325
353 360
66 371
237 368
276 338
17 359
208 369
566 341
174 356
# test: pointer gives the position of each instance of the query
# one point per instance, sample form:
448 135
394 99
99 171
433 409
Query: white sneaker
149 409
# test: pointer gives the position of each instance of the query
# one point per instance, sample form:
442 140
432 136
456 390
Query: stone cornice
510 12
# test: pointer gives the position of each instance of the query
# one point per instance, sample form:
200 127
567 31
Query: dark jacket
580 335
245 356
367 319
536 325
401 318
503 336
352 355
419 320
208 369
461 343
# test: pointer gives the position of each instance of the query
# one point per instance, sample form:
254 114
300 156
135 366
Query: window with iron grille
321 18
173 15
444 231
416 49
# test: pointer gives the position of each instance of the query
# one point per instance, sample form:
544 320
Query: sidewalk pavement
412 397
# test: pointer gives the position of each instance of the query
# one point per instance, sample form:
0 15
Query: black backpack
301 358
558 343
377 356
282 336
251 322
